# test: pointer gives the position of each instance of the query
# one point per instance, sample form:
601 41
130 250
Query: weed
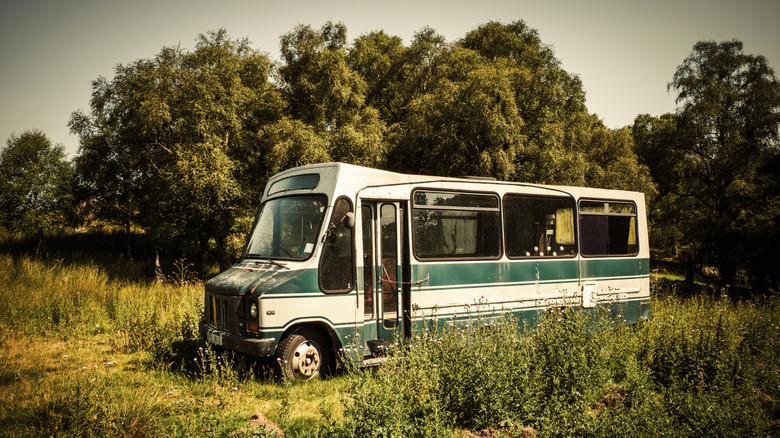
582 374
699 366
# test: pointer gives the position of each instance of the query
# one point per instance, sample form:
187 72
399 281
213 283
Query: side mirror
349 220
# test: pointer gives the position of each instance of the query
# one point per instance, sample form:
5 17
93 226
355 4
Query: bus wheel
302 355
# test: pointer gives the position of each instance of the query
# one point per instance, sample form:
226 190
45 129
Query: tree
35 183
170 143
324 93
379 59
655 144
613 163
550 102
465 123
727 125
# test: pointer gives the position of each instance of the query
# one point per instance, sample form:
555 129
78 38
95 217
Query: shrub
697 367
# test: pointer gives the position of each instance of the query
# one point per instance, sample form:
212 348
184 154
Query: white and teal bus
347 258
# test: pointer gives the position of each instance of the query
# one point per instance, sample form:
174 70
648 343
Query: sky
625 52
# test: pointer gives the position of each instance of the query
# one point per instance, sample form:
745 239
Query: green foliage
580 374
292 143
327 95
35 180
467 124
710 160
164 143
181 144
120 358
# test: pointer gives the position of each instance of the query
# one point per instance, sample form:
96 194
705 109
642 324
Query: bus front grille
219 313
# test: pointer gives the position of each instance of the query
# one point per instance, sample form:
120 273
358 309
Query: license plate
214 338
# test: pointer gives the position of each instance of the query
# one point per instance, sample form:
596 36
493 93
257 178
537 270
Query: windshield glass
287 228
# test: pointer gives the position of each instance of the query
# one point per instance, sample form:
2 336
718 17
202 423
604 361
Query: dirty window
287 228
539 226
337 265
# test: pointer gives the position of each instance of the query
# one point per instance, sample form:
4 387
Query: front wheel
303 355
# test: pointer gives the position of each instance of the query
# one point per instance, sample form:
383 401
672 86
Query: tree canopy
710 159
170 143
35 185
182 144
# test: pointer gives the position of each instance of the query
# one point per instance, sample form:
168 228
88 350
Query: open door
382 225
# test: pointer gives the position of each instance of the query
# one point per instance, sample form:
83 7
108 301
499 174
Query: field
87 352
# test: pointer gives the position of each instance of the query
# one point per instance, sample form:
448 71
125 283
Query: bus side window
608 228
455 225
337 265
539 226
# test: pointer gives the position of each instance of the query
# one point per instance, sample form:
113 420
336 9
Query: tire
303 355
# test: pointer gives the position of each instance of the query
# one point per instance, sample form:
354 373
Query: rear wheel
304 354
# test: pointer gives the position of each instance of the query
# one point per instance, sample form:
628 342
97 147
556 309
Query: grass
86 352
82 354
700 367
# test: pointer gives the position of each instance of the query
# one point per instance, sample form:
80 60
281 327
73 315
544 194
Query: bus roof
359 177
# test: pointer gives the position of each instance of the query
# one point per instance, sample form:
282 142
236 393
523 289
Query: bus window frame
322 242
609 200
245 255
575 206
413 207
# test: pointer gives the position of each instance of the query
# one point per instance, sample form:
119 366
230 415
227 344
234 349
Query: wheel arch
320 326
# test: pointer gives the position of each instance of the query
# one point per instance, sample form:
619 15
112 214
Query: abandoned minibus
343 258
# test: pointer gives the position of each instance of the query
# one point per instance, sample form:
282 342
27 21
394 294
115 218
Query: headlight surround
253 310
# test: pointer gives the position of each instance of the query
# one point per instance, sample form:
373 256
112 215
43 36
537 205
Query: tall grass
84 352
698 368
87 353
75 301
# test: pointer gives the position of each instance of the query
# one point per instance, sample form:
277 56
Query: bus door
381 223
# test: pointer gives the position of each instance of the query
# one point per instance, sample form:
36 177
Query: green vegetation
179 146
85 354
175 151
82 354
35 186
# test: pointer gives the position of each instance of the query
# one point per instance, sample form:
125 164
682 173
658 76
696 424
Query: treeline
181 145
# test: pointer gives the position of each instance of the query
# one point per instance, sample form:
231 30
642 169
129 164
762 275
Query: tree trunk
129 243
38 247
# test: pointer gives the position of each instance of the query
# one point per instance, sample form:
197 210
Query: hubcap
306 359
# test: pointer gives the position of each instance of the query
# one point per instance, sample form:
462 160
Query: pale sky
625 52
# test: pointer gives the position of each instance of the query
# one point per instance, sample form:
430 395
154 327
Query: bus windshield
287 228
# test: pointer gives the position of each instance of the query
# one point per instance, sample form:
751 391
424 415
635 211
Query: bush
697 367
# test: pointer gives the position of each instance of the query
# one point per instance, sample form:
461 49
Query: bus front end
288 294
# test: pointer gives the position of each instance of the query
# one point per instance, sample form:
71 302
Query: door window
389 266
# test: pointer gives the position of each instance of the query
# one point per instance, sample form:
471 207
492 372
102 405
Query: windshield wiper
266 259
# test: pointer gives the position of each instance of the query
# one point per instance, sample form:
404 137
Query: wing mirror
349 220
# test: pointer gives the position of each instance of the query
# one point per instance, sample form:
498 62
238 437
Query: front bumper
252 346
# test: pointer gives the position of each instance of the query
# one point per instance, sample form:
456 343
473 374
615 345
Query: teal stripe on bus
526 272
612 268
495 273
294 282
500 273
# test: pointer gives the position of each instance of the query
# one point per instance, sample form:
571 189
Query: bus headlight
253 310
